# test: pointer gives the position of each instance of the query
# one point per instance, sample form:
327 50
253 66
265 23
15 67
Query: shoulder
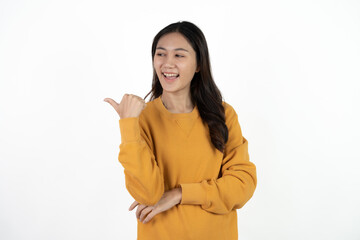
149 109
149 113
232 123
230 113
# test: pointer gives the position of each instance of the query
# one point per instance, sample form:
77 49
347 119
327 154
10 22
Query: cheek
189 69
156 66
156 62
157 69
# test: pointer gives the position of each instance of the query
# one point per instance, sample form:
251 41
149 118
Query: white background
289 68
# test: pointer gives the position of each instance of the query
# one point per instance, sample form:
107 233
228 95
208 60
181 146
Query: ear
198 69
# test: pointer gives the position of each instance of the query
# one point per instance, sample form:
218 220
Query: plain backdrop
290 69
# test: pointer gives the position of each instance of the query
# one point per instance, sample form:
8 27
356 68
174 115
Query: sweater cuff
193 194
129 129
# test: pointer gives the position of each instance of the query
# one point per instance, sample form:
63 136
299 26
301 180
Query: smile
170 76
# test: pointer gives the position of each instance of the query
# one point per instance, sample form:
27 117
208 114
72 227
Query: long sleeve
237 181
143 177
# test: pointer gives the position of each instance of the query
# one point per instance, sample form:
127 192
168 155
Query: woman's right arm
143 178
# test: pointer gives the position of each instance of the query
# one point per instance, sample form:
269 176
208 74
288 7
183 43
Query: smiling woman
175 64
185 160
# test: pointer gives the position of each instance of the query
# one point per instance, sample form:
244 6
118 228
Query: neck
177 103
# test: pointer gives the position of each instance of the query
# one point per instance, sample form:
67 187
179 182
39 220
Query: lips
170 76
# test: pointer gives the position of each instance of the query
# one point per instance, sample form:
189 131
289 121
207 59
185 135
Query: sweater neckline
159 104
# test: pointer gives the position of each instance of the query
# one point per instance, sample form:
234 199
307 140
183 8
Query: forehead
174 40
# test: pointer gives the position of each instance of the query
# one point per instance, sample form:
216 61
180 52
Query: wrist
178 195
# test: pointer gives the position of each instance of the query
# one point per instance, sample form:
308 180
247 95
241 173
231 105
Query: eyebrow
176 49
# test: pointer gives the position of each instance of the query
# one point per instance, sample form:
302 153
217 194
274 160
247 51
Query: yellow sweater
161 150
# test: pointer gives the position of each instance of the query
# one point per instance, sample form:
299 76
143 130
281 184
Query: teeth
170 75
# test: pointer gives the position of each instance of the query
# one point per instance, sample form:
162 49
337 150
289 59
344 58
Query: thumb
111 102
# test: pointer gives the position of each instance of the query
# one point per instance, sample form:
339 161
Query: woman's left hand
169 199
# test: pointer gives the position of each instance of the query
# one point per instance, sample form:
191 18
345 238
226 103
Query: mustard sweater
161 150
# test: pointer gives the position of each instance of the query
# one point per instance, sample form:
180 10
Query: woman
185 160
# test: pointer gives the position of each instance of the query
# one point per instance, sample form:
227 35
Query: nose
169 62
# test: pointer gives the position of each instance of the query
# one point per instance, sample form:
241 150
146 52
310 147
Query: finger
112 102
149 217
139 209
145 212
133 205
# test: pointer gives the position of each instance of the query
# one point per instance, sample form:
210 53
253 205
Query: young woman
185 160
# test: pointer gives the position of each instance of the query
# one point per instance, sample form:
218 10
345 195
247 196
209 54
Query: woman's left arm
238 175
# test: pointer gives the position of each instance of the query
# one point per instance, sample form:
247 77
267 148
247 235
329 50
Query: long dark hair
204 92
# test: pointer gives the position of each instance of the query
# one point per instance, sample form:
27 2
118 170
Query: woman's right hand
130 105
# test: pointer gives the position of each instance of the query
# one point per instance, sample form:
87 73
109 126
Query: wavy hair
204 92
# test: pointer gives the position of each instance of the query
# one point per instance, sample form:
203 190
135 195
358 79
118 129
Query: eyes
163 55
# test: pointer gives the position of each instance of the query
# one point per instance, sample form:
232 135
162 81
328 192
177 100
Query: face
175 63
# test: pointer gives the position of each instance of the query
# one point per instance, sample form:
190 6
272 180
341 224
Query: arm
238 176
143 178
